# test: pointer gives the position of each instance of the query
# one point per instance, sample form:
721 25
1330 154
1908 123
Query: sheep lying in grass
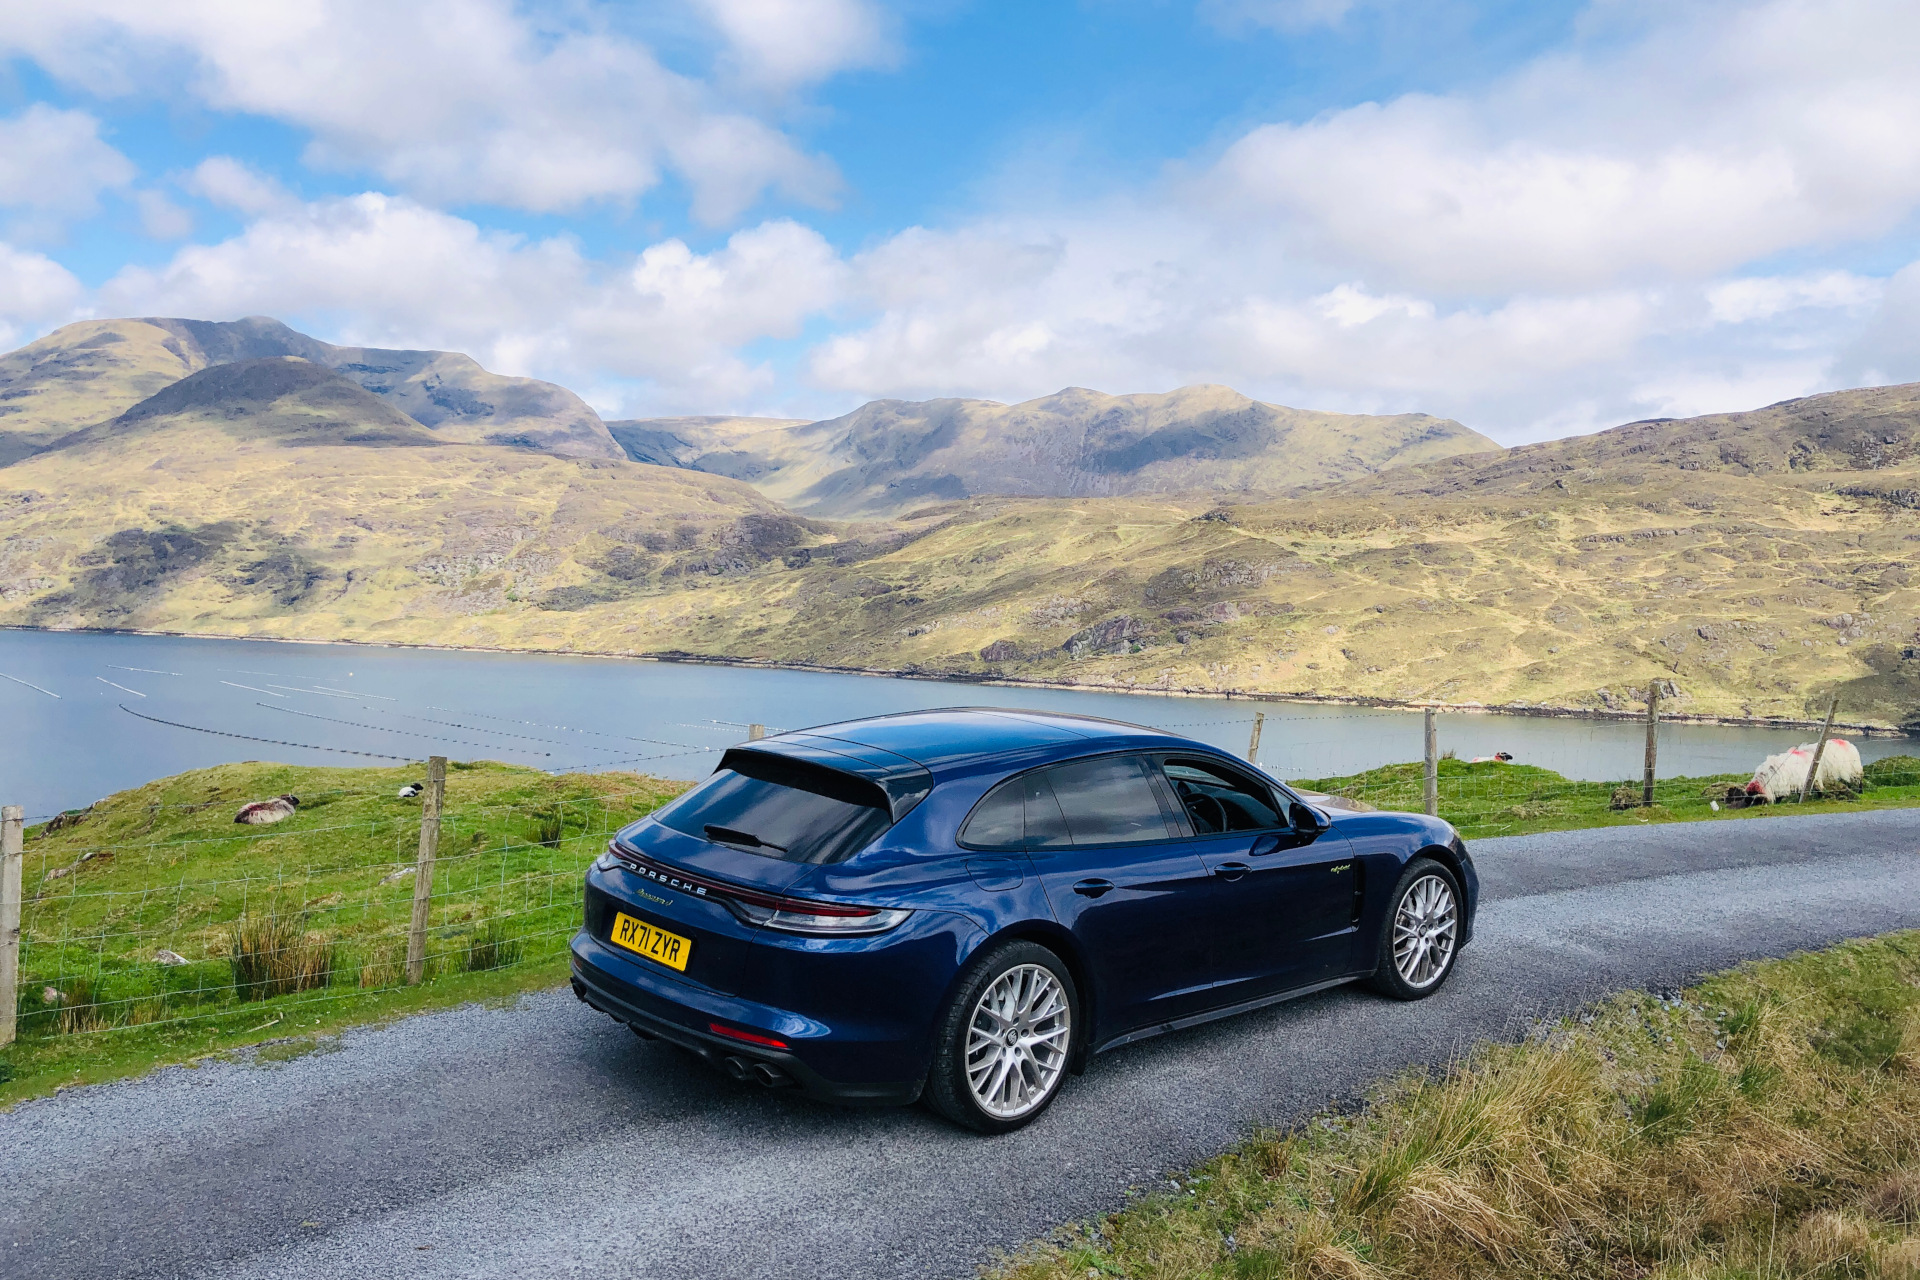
1786 773
262 812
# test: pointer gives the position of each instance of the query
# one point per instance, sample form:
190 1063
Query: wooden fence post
1433 768
1253 743
430 805
1653 742
12 837
1820 748
755 732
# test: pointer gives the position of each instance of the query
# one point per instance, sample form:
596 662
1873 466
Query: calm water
78 735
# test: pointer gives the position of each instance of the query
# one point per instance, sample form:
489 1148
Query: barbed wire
276 742
408 733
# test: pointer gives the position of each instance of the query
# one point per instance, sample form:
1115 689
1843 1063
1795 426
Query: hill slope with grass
890 456
88 372
276 497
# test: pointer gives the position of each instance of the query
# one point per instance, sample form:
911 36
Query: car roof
955 738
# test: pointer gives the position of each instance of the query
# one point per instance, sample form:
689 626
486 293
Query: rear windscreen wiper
727 835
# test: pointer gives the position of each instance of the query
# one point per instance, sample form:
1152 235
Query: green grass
1765 1123
297 928
1511 799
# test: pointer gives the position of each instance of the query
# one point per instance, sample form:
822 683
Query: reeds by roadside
275 954
1764 1124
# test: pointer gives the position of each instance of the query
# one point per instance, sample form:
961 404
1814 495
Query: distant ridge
889 456
88 372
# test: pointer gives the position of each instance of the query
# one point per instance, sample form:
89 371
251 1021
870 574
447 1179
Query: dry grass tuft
273 955
1765 1124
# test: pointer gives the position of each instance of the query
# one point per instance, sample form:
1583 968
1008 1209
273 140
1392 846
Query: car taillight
823 918
756 906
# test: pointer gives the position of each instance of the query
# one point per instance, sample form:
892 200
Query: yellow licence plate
670 949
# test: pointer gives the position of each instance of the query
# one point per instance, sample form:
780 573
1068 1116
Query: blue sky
1538 218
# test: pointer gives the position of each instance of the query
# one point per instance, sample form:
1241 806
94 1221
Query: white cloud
161 218
383 270
54 166
36 293
234 184
452 100
1282 15
1888 348
783 43
1730 133
1565 248
1751 298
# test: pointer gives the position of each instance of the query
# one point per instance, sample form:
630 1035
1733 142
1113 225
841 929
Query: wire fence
156 909
170 913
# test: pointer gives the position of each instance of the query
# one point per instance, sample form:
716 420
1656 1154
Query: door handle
1232 870
1093 888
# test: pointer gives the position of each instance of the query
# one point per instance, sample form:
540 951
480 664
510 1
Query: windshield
782 809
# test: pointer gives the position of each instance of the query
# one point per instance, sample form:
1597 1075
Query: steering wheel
1195 802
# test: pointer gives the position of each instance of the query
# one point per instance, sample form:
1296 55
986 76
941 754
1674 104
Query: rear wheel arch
1048 934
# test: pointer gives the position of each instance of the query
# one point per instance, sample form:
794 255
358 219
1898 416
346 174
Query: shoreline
1015 682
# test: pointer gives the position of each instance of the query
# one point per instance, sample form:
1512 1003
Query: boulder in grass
263 813
168 958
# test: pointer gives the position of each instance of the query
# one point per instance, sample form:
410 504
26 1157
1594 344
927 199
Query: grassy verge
158 930
1765 1123
1511 799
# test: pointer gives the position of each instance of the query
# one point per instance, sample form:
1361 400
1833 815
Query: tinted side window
1108 801
1020 813
997 822
1046 825
1217 799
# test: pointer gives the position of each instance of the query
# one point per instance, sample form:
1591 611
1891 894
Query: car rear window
784 809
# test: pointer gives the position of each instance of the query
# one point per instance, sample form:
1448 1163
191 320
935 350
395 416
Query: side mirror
1307 822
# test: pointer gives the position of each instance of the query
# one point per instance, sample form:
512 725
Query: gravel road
544 1140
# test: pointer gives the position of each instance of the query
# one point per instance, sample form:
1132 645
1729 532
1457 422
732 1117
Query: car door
1283 898
1119 873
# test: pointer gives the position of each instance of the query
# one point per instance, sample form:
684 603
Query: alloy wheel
1425 929
1017 1041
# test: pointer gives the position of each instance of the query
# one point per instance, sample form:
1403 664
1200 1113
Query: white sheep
1786 773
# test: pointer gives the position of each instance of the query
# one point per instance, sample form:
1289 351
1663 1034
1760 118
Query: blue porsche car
963 906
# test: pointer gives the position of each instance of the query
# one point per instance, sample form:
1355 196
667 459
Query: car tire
1002 1051
1420 936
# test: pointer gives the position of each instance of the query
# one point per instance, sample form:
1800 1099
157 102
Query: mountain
87 372
278 497
281 400
1863 430
890 456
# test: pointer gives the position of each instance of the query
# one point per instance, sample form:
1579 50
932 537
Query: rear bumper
600 979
